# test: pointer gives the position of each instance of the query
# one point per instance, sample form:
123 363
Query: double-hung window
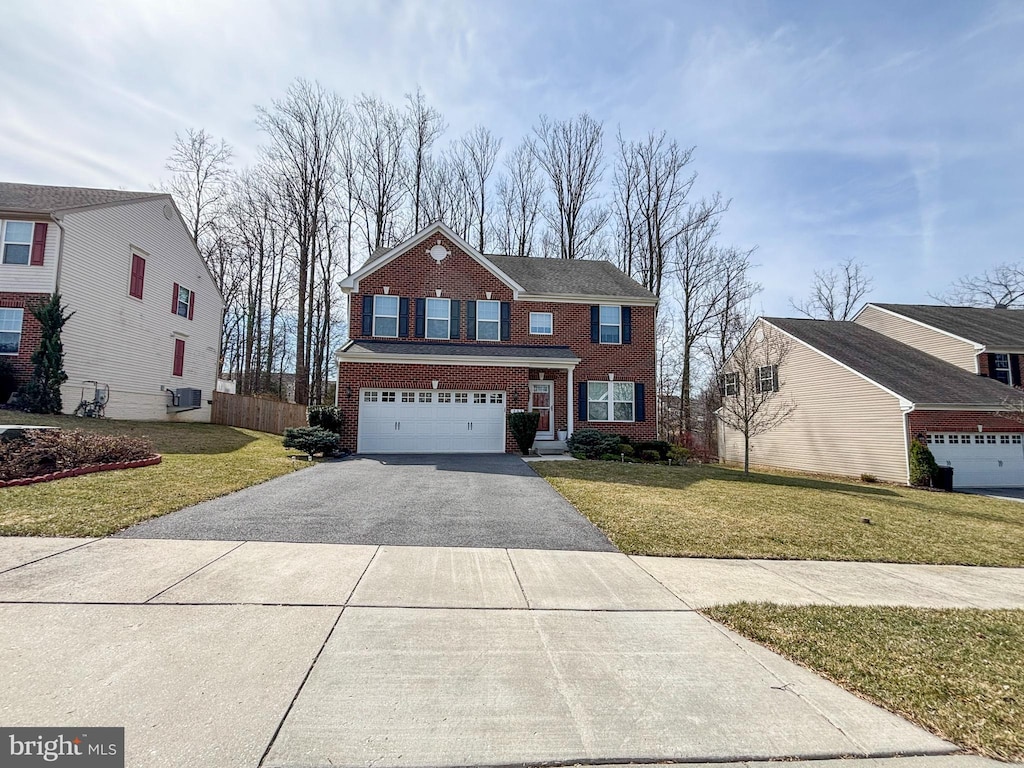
439 314
1001 368
385 316
182 301
610 401
17 242
10 330
488 320
611 324
541 323
767 378
728 384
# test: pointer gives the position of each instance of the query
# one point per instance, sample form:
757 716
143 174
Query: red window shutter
179 357
138 276
174 300
191 304
39 244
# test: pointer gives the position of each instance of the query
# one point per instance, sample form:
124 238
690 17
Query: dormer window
1001 370
385 316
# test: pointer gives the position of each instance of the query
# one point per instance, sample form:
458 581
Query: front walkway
275 654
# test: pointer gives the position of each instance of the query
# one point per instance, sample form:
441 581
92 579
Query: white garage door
989 460
429 421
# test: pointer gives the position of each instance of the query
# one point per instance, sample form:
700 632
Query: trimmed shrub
627 449
923 469
593 443
311 440
679 455
42 451
660 446
611 457
327 417
523 426
8 383
650 455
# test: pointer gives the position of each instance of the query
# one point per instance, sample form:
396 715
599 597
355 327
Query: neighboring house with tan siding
147 312
861 396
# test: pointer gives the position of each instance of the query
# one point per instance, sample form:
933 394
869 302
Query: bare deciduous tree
379 132
520 196
425 126
1002 286
750 385
202 174
651 187
835 293
304 129
480 150
571 154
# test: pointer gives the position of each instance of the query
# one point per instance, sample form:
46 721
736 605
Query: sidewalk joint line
52 554
522 589
197 570
369 562
302 684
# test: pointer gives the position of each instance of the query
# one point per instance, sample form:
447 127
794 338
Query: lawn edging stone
86 470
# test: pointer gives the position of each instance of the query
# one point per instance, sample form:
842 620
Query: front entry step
548 447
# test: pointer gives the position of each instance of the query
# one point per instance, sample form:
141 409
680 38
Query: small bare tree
750 384
835 293
1002 286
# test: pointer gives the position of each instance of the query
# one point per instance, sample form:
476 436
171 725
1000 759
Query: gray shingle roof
576 277
460 350
1003 328
35 198
909 372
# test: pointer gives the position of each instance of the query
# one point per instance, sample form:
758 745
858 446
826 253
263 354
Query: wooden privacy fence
256 413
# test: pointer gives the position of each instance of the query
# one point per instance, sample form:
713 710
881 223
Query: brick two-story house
445 341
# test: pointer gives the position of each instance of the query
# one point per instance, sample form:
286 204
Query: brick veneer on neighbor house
923 422
31 331
415 274
1016 362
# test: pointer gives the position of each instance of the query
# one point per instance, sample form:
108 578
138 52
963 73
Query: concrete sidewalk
247 654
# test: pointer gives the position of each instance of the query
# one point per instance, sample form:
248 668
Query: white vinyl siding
842 425
25 278
129 343
935 343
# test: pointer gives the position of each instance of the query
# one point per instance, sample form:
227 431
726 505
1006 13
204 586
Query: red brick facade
31 331
415 274
1016 363
923 422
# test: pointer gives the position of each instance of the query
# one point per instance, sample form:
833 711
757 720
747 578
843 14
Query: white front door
431 421
542 399
980 460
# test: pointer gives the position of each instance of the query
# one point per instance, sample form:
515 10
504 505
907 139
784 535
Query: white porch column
570 391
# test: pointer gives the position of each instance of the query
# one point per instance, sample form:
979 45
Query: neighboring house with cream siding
860 397
147 312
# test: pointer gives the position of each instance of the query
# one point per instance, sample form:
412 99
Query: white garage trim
394 420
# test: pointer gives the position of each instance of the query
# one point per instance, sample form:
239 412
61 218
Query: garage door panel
428 421
979 460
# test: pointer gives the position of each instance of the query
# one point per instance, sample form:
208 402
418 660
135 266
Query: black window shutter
639 412
1015 370
367 315
421 318
403 318
595 324
454 332
506 321
627 325
471 320
583 401
775 378
991 359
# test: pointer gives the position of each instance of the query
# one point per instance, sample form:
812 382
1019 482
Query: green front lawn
712 511
958 673
200 462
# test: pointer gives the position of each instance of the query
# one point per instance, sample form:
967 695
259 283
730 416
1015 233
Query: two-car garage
980 460
431 421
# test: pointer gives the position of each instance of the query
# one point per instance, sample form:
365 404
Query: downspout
58 220
906 438
569 390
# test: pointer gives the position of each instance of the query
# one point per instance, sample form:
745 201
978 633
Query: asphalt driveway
423 500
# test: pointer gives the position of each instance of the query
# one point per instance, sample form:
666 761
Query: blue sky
891 132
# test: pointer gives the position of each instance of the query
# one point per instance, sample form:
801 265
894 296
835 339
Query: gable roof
36 198
908 372
526 276
1002 328
497 354
569 277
